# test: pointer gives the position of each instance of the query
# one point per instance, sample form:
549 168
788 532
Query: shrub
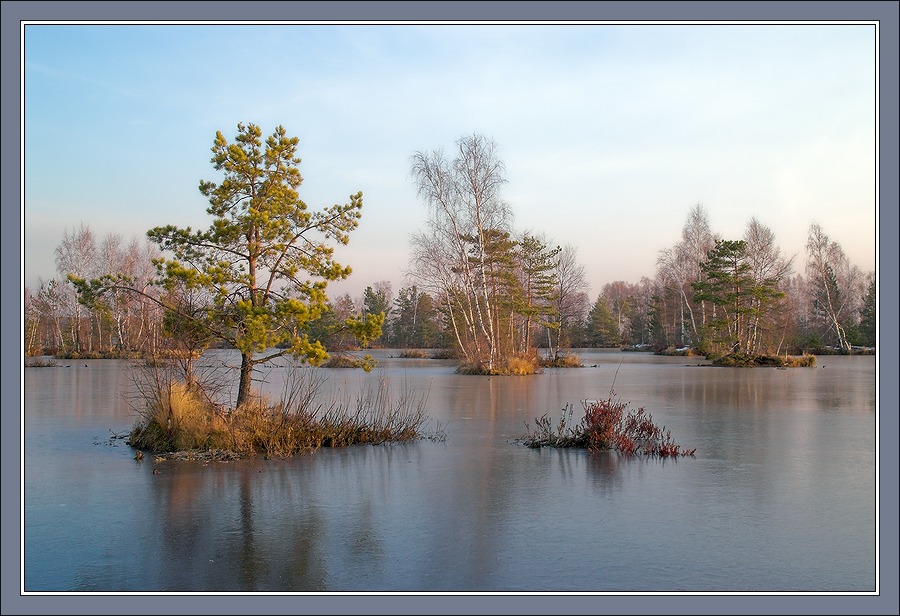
602 419
341 360
179 418
474 368
607 425
521 366
444 354
800 361
117 354
413 354
741 360
563 360
41 363
517 365
678 352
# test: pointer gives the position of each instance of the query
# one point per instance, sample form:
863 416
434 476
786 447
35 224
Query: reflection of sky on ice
779 497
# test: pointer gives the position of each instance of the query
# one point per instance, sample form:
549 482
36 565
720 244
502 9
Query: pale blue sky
610 133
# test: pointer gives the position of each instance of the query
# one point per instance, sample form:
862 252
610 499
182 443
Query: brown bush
607 425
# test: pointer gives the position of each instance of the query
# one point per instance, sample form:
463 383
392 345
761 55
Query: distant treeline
707 294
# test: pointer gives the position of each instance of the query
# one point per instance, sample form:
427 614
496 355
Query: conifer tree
265 260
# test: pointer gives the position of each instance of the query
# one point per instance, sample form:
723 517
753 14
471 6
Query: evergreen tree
414 325
731 286
602 328
867 324
537 263
266 259
377 301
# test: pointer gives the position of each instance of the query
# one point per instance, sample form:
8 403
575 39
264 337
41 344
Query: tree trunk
462 347
696 335
32 335
245 379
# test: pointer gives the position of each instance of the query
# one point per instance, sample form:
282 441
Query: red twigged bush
609 425
602 421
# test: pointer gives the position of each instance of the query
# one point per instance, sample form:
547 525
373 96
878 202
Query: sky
610 133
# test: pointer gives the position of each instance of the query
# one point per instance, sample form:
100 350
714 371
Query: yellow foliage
520 366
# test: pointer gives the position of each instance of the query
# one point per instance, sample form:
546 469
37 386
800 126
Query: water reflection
406 518
217 530
780 496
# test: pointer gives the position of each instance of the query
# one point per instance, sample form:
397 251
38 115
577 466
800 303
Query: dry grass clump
606 425
562 360
183 418
516 365
741 360
178 418
800 361
444 354
413 354
345 360
475 368
41 362
521 366
100 355
679 352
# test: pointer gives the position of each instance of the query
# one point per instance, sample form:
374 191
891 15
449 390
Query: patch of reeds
606 425
741 360
344 360
40 362
412 354
800 361
473 368
562 360
444 354
116 354
521 366
183 421
640 348
516 365
680 352
178 418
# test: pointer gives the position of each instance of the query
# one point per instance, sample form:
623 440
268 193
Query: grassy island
742 360
181 420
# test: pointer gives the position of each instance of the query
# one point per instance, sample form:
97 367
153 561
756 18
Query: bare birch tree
835 285
570 297
76 255
679 267
464 203
766 266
